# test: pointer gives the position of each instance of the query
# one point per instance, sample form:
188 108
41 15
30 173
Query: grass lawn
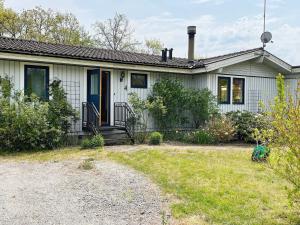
214 186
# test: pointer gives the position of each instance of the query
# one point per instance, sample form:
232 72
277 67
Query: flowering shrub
246 123
222 129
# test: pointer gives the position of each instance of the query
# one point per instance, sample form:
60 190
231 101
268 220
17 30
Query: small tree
283 139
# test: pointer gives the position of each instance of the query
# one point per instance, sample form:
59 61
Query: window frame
145 75
228 90
243 90
47 78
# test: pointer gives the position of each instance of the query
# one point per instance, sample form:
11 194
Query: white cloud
215 37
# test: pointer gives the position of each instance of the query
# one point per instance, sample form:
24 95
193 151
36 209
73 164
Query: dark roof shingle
88 53
79 52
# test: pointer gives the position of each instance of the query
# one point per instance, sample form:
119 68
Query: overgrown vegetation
283 138
96 141
28 123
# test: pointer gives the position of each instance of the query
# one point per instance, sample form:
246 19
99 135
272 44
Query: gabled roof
13 45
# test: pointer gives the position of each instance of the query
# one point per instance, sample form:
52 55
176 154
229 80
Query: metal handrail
90 117
125 118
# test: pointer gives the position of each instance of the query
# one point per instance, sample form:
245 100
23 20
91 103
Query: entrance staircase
124 123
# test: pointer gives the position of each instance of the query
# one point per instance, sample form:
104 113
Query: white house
105 77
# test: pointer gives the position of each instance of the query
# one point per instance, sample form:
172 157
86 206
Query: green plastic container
260 153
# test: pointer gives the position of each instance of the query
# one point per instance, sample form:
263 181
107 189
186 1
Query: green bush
25 122
96 141
167 101
172 105
155 138
246 122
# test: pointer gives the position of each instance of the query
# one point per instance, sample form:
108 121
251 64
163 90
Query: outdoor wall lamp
122 76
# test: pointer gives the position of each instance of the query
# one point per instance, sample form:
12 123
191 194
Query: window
138 80
37 81
238 91
94 84
224 90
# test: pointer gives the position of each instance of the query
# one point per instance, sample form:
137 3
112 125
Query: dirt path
60 193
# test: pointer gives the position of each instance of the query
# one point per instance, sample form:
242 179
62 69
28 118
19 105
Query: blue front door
93 87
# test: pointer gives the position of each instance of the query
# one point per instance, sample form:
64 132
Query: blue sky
223 26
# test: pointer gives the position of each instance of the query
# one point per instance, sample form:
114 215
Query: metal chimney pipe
164 53
171 53
191 30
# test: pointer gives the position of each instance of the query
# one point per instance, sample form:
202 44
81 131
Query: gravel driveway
60 193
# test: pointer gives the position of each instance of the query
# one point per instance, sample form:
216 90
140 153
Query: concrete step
114 135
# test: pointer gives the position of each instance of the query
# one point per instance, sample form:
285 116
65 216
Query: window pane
36 81
95 84
224 90
138 80
238 90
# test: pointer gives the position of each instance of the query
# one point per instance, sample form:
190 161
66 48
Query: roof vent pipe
164 55
191 30
171 53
